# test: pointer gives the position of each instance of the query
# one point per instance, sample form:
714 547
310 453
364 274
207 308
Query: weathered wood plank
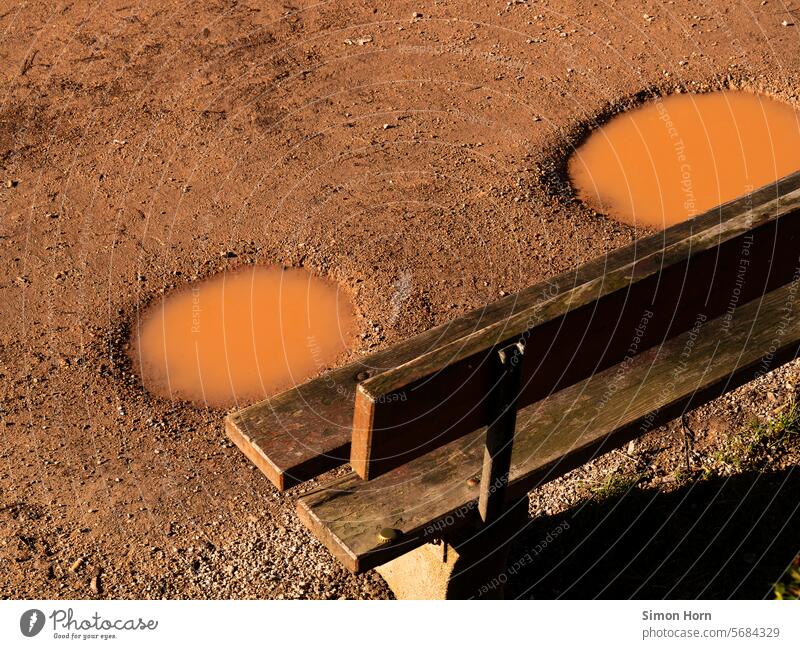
430 495
306 430
407 411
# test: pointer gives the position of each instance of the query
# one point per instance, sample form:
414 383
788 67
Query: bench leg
469 563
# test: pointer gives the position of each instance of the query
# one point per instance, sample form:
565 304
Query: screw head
473 482
388 534
363 375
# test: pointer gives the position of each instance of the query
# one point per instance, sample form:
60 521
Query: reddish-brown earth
419 162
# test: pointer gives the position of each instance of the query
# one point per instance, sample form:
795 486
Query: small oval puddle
242 336
678 156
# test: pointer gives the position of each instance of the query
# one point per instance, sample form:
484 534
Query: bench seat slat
430 494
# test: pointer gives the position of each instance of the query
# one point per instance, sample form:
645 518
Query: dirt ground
412 151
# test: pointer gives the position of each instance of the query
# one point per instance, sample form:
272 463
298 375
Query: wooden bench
447 436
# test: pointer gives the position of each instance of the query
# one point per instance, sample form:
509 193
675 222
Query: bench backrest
644 295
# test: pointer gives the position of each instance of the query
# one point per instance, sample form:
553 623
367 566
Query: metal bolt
473 482
388 534
362 375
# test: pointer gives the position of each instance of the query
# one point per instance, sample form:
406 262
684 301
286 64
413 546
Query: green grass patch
753 447
789 586
616 485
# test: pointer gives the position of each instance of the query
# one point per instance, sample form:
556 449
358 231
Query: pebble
358 41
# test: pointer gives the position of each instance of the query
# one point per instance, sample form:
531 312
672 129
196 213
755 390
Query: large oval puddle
242 336
679 156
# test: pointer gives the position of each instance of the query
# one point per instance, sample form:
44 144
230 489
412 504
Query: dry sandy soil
140 142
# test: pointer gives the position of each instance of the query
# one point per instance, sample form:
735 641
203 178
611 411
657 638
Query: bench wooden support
470 563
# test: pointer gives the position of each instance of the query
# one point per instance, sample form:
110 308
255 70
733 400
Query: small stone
229 255
416 14
52 215
787 23
76 565
11 183
358 41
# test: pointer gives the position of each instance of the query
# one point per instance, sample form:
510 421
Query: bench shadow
716 538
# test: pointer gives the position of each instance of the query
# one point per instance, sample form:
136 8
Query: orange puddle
242 336
679 156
